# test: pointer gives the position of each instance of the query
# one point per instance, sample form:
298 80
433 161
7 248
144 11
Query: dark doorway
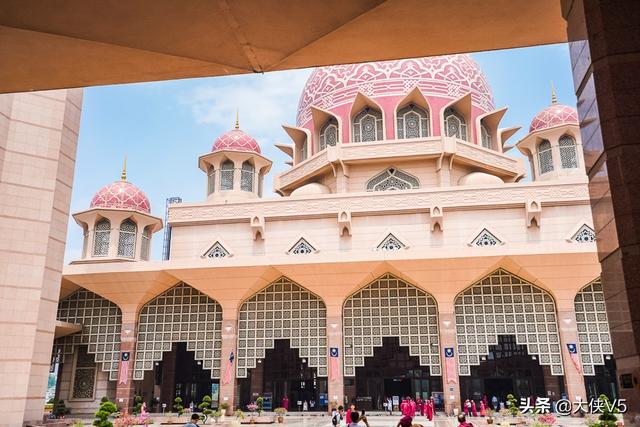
508 368
603 382
392 372
284 373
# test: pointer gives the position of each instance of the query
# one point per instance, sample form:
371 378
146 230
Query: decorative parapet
330 205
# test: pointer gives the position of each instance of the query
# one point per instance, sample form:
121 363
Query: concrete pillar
229 345
605 52
335 388
128 334
38 138
450 382
573 380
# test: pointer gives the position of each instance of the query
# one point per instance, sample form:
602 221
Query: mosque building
407 255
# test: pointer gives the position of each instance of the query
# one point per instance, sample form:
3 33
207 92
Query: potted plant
216 415
608 416
239 415
280 412
205 407
138 404
252 407
104 412
260 404
177 405
224 407
512 405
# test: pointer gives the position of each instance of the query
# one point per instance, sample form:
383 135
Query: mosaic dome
236 140
121 195
554 115
448 77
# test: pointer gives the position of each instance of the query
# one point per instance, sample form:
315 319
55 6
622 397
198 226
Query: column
450 380
38 139
605 51
335 387
573 379
128 334
229 345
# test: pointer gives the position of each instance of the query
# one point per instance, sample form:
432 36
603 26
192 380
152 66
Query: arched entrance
282 347
394 324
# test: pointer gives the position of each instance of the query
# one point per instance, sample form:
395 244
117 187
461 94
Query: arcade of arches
504 334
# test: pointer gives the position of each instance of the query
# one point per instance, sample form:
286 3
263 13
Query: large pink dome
236 140
121 195
448 77
552 116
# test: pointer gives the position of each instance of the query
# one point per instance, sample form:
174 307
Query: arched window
367 125
413 122
455 125
146 243
226 175
545 157
329 134
127 239
246 176
392 179
568 155
101 238
211 180
485 136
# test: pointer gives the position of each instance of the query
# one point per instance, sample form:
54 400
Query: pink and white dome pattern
236 140
552 116
121 195
450 76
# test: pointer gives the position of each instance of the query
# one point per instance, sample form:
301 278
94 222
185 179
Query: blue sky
163 127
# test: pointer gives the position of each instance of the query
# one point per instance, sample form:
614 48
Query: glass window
545 157
101 238
127 239
329 133
146 243
412 122
246 176
485 136
211 180
568 155
455 125
226 175
367 125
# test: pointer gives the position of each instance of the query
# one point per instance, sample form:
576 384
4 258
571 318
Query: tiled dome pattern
448 76
554 115
236 140
121 195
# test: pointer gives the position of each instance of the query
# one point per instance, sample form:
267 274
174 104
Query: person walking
483 409
474 409
390 405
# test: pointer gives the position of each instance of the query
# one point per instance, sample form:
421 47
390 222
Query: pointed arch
486 238
180 314
226 175
456 118
320 119
545 157
246 176
391 243
217 250
502 303
390 307
585 234
367 120
568 152
282 310
392 178
302 247
413 116
127 238
101 237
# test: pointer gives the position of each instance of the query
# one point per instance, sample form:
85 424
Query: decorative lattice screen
504 304
390 307
282 310
180 314
593 326
101 321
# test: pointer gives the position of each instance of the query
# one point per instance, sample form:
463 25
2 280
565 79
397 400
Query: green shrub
260 403
59 408
138 405
104 412
205 407
512 404
607 417
177 405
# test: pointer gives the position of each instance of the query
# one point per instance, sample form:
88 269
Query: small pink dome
554 115
236 140
121 195
447 77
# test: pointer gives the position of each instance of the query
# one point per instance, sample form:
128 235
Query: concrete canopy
49 45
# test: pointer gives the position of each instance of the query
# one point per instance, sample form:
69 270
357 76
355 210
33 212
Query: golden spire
123 176
554 98
237 118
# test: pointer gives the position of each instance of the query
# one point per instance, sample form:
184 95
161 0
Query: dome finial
237 118
554 98
123 176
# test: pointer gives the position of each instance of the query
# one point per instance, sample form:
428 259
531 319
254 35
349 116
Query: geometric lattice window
216 251
127 239
101 235
545 157
180 314
504 304
412 122
146 243
593 326
329 134
367 125
584 235
455 125
226 175
390 307
568 155
485 136
392 179
85 241
390 243
211 180
246 176
84 376
282 310
485 238
301 247
101 321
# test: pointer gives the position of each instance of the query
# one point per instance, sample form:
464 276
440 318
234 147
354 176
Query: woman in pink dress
474 409
483 408
285 403
420 406
412 406
466 407
429 410
403 407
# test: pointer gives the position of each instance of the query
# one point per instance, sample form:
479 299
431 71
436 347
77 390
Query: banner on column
123 375
450 365
573 352
226 379
334 366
